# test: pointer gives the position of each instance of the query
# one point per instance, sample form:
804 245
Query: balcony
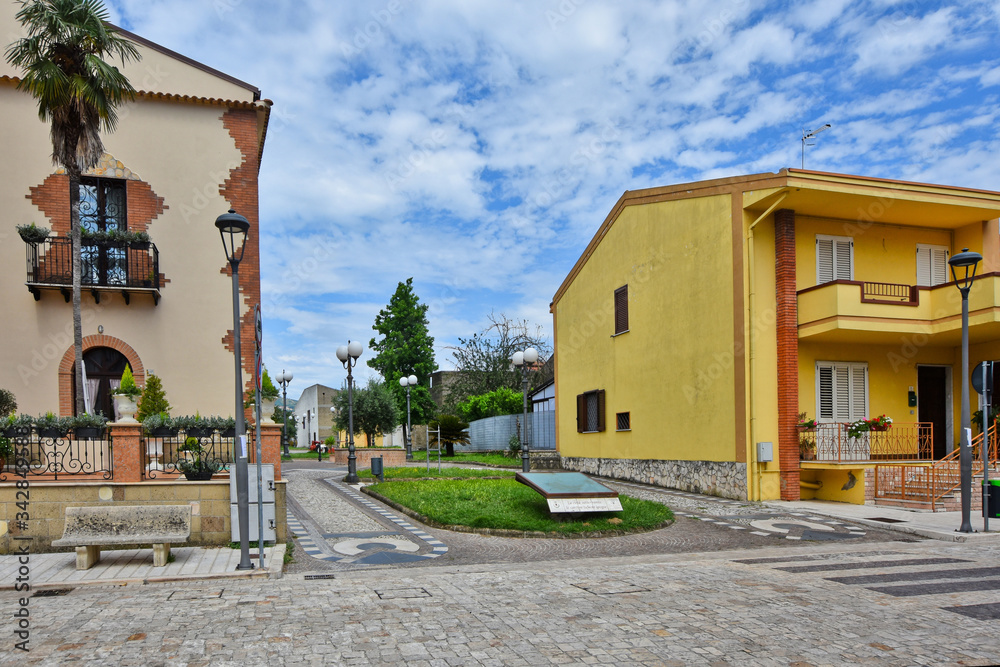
122 267
871 312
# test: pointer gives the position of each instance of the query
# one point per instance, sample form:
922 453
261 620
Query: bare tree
484 360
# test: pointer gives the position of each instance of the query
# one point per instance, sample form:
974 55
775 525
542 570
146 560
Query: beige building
314 416
187 150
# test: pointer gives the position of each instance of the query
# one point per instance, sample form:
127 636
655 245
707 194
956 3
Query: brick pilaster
270 446
126 452
787 332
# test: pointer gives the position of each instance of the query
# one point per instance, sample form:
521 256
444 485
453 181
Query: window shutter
825 410
581 412
824 260
621 309
843 255
924 266
600 410
932 265
939 265
859 392
842 394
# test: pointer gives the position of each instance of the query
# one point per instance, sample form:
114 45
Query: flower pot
199 432
879 428
807 454
164 432
228 433
805 429
51 433
199 475
125 407
88 433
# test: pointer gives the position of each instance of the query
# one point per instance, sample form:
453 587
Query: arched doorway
104 367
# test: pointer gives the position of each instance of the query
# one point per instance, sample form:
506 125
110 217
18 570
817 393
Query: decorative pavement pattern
742 515
371 547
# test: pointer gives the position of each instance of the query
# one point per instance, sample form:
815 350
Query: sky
477 146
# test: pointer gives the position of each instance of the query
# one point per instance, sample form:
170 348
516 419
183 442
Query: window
624 421
590 412
621 310
103 209
841 391
834 258
932 265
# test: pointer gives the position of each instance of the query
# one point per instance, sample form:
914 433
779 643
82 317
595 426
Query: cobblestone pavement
817 603
703 524
723 586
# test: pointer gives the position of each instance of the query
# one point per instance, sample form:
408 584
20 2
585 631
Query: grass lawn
480 457
305 455
420 472
509 505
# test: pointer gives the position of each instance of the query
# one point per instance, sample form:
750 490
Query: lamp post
233 229
968 261
283 379
408 381
348 355
524 360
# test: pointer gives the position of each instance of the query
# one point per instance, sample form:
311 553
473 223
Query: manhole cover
395 593
195 595
51 592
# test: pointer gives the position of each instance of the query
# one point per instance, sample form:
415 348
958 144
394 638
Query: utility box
991 499
267 491
765 452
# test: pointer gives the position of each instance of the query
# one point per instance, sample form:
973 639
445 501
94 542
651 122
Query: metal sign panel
977 377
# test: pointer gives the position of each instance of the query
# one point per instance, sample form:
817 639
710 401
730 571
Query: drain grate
612 588
310 577
51 592
884 519
196 595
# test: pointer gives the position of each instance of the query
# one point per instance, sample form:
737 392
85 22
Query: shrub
128 387
153 400
8 402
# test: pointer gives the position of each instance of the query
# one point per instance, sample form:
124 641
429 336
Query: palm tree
78 92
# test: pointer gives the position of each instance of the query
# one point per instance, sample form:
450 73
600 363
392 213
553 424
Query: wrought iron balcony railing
121 266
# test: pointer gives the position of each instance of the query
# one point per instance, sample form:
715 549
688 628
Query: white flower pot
126 408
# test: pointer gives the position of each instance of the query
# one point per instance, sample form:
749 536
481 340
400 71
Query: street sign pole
259 366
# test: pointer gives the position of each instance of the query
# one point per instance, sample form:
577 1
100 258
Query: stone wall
725 479
46 509
391 458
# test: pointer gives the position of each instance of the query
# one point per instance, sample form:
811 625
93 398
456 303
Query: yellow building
704 318
187 150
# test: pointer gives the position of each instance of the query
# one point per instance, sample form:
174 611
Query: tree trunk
74 204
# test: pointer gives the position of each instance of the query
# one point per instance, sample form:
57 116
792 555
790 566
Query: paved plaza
728 583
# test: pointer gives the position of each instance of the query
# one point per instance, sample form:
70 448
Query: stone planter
126 407
267 410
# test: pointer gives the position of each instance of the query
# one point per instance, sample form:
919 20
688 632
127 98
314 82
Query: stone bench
90 528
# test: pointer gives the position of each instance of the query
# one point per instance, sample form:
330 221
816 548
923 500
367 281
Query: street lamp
348 355
968 261
408 381
233 229
524 360
283 378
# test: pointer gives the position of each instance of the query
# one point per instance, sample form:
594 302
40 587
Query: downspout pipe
752 309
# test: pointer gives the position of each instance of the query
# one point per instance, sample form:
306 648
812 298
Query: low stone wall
47 503
725 479
363 457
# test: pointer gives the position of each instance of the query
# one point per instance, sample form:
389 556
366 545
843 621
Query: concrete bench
90 528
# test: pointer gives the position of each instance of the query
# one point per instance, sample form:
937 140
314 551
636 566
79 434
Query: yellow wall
673 371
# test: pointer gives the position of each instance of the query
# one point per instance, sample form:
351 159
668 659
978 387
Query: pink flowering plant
880 423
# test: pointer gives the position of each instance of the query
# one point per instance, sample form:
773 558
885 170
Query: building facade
704 319
187 150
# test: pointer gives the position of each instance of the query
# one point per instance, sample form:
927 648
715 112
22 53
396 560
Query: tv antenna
806 137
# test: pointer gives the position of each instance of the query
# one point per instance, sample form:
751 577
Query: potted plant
195 466
805 425
32 233
226 426
126 397
89 427
160 425
807 447
52 426
19 426
196 426
6 452
862 426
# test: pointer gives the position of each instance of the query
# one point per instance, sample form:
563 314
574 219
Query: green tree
153 400
453 432
62 58
502 401
484 360
8 402
375 410
405 348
